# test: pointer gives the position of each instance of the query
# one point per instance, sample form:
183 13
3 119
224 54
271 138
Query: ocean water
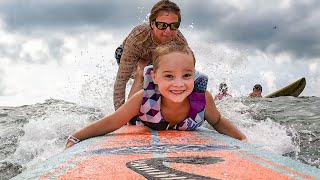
32 133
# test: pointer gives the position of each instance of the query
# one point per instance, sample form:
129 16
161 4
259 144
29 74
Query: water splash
262 131
45 133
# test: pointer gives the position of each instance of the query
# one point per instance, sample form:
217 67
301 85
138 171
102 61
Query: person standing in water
174 96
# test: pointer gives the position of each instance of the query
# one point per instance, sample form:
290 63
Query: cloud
270 78
9 51
2 86
31 49
314 67
34 31
274 27
271 26
62 15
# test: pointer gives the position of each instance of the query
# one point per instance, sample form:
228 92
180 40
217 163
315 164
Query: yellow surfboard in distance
293 89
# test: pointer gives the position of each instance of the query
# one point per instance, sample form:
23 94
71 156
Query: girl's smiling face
175 76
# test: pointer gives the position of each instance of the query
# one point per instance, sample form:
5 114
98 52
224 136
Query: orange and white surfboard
134 152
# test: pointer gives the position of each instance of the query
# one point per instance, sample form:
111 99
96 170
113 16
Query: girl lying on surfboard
174 96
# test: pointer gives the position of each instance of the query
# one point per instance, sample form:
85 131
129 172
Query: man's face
165 35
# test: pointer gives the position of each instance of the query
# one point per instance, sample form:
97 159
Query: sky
64 48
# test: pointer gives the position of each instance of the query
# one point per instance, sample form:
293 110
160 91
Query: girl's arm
111 122
219 123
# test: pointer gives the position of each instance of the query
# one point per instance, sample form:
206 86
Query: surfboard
136 152
293 89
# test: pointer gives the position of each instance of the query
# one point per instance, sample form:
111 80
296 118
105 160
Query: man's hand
138 77
140 67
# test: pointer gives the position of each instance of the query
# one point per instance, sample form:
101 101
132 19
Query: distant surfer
256 92
137 49
223 92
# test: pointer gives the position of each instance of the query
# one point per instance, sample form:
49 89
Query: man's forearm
136 86
118 94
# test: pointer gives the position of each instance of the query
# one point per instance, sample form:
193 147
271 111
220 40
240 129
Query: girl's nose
178 82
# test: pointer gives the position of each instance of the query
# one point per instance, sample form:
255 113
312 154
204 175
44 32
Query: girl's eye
168 76
187 75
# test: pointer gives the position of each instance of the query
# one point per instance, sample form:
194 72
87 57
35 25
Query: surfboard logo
159 168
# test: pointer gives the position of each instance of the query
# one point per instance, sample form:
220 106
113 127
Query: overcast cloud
281 35
68 14
272 26
1 83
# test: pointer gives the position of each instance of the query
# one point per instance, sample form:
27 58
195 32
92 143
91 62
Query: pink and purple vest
150 113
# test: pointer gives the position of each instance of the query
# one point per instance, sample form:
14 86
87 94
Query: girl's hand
243 138
69 144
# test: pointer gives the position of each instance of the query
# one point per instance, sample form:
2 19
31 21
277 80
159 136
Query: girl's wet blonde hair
167 49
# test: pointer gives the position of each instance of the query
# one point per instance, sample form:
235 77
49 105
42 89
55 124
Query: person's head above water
257 87
223 87
256 91
164 19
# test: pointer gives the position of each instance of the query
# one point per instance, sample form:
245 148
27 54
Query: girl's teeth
177 92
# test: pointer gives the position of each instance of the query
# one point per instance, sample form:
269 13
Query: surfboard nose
293 89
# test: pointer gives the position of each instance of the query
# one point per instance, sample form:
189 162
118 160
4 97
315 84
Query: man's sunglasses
164 26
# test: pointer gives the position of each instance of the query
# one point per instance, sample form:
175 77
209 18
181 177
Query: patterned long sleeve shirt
138 45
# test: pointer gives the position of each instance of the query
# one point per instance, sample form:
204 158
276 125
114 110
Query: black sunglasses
164 26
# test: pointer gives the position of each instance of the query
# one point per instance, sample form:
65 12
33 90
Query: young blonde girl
174 97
